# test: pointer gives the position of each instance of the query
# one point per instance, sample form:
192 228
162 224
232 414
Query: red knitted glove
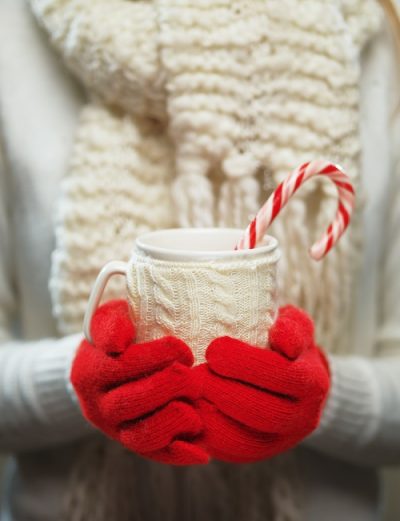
257 402
139 394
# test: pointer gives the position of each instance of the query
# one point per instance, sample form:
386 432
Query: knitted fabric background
197 110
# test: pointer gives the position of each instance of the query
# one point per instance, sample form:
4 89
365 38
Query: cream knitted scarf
198 108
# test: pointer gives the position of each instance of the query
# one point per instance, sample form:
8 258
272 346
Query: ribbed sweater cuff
350 418
56 399
38 407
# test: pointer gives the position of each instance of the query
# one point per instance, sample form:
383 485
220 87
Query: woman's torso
39 110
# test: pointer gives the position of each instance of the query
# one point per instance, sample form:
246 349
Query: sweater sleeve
37 405
361 419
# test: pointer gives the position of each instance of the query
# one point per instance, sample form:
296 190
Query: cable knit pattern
200 301
235 113
210 103
242 110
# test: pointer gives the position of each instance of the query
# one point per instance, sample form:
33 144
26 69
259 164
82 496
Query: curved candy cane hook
258 227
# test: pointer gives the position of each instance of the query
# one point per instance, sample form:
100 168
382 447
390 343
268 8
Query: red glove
141 395
257 402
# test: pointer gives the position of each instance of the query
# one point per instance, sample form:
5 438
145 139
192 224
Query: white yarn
200 301
118 187
238 88
97 39
242 92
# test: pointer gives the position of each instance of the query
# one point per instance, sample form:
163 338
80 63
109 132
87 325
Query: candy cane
258 227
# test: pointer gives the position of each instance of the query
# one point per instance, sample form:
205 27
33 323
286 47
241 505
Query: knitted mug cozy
197 110
192 284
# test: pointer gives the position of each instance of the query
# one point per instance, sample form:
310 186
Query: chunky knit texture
117 189
200 301
225 98
218 100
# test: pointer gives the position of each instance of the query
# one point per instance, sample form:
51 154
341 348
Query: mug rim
170 254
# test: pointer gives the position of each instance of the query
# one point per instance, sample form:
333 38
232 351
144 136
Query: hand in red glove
139 394
257 402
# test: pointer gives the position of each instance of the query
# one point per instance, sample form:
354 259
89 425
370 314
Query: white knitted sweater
36 409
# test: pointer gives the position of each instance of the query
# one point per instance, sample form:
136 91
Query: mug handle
109 270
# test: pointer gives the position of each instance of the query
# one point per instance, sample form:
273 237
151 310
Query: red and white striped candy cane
258 227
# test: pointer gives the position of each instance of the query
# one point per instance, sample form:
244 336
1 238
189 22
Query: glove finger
228 440
143 359
134 399
85 371
263 368
176 419
111 328
94 372
180 453
249 405
292 333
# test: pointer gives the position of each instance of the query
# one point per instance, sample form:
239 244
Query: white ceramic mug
191 283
